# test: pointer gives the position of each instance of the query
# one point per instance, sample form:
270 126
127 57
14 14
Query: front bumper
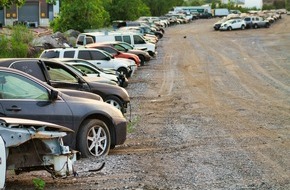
121 130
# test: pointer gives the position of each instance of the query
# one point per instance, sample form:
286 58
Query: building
34 13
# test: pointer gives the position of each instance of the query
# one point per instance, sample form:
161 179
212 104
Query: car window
69 54
118 38
60 74
110 50
30 67
80 40
119 47
86 69
84 54
138 40
98 55
127 46
14 86
127 39
50 54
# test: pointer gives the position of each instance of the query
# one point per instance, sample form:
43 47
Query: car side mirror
53 95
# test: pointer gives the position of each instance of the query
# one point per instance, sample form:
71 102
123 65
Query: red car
116 53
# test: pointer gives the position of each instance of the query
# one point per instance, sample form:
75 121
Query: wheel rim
97 141
114 103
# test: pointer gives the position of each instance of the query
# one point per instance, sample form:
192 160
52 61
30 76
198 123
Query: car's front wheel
115 101
243 27
123 71
142 59
229 28
94 138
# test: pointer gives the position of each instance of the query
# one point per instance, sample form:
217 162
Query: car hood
105 90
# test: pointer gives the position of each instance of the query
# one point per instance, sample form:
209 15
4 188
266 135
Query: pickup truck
58 75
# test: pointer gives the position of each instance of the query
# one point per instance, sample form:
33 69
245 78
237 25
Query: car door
96 57
22 97
234 24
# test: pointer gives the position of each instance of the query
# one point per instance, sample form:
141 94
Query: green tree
193 2
287 5
126 10
213 4
81 15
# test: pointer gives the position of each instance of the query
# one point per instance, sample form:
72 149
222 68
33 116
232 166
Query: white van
132 38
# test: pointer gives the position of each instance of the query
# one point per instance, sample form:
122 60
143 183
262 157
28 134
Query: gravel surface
210 112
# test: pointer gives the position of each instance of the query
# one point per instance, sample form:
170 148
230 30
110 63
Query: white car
91 70
98 57
233 24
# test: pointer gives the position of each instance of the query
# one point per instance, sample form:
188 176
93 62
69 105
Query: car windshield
127 46
108 54
84 69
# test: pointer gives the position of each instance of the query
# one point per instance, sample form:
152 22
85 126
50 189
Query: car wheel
255 26
229 28
142 59
94 138
267 25
115 101
123 71
242 27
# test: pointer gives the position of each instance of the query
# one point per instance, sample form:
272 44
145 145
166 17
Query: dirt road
212 111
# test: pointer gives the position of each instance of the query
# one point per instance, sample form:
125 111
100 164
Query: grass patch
132 124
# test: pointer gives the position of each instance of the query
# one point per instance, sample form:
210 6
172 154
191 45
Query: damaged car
30 145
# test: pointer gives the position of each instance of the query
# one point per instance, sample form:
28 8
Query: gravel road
212 111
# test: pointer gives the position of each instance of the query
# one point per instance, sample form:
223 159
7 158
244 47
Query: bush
17 43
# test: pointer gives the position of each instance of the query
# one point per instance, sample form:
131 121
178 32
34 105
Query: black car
59 75
97 125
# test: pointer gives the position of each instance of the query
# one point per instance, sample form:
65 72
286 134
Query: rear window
50 54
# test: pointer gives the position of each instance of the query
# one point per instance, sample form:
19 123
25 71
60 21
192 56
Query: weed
38 183
132 123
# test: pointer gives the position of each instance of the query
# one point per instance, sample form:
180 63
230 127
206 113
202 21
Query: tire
94 138
123 71
255 26
243 27
267 25
229 28
142 59
116 102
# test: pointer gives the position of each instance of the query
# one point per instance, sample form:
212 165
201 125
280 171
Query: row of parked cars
250 20
77 94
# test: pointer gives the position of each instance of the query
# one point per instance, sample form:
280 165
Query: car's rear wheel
267 25
243 27
94 138
116 102
229 28
255 26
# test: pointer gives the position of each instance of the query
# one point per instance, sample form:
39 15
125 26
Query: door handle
98 63
14 108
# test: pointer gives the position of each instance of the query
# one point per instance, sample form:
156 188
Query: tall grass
16 43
